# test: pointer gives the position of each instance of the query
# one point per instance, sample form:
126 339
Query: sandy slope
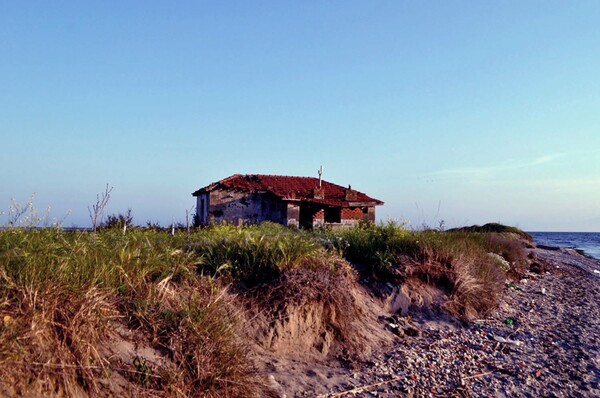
543 340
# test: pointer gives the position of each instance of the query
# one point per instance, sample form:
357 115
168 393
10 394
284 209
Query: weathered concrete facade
238 208
293 201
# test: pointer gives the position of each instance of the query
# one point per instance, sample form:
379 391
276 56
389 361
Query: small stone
412 332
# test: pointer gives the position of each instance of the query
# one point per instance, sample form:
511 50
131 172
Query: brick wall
320 215
352 214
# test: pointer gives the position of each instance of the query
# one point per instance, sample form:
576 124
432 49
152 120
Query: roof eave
359 204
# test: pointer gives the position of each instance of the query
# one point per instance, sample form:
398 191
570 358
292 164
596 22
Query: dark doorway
306 216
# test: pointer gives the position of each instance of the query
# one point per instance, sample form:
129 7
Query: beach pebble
550 349
490 356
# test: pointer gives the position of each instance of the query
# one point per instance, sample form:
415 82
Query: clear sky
466 112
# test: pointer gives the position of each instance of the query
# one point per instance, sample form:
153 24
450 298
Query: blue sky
466 112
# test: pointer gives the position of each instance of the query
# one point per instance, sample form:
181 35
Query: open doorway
307 214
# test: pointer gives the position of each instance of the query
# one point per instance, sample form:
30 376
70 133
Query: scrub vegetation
458 262
149 312
63 294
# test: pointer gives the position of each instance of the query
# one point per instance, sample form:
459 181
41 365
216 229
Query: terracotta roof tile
289 188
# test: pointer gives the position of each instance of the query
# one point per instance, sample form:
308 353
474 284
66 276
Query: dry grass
455 262
511 249
477 286
63 294
323 286
471 279
197 329
50 346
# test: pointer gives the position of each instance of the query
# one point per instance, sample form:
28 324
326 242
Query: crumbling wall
242 208
370 216
349 217
292 215
202 206
319 219
239 207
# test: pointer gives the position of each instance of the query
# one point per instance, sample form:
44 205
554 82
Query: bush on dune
376 246
457 261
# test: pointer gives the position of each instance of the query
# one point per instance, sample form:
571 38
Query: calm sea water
589 242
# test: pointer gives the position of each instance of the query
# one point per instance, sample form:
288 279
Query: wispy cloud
545 159
512 164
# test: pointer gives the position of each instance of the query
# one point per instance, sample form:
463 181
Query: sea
588 242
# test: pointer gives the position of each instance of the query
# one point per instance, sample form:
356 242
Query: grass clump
456 261
496 229
282 275
197 329
511 250
254 254
63 294
376 246
50 347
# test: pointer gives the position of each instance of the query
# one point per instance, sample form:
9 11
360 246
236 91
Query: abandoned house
305 202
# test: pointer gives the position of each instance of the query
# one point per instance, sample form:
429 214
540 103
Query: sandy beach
541 341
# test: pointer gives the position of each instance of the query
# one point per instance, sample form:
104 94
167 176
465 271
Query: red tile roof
291 189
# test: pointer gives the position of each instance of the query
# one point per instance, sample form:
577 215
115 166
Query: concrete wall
370 216
292 215
202 204
240 208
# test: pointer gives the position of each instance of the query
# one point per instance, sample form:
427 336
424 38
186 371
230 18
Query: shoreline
585 243
556 255
562 248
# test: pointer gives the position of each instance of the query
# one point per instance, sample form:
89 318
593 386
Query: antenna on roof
320 171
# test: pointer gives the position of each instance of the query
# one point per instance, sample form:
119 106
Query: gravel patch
541 341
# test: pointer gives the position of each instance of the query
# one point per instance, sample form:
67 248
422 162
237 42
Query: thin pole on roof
320 171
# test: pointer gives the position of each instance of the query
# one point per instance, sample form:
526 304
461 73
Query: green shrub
511 249
458 262
253 254
376 246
